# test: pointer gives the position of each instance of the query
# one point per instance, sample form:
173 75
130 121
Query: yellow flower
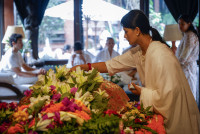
135 111
142 115
20 116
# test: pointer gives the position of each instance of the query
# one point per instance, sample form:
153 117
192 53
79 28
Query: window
101 19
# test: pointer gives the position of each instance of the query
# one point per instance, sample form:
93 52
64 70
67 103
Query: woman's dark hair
187 19
13 38
78 46
136 18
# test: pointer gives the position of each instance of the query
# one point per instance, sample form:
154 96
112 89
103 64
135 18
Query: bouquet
67 101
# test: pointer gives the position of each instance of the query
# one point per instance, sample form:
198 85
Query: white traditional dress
104 55
11 60
165 86
187 54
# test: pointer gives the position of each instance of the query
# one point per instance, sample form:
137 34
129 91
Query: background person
12 62
188 51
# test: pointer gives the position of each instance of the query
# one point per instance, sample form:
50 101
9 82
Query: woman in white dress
165 86
188 52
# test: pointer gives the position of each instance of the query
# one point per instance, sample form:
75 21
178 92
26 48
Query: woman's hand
137 90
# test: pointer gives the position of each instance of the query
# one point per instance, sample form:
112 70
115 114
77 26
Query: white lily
102 93
70 80
42 124
39 98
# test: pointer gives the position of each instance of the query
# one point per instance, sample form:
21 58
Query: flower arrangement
74 102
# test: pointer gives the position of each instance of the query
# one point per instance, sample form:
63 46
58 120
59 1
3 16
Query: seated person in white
67 52
12 62
107 53
79 57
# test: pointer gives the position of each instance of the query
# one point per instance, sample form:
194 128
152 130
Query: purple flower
73 90
52 87
56 97
44 117
28 92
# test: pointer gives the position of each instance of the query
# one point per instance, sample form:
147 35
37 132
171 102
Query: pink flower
69 105
44 117
52 87
28 92
73 90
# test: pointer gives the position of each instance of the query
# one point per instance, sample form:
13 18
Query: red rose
137 120
138 107
3 105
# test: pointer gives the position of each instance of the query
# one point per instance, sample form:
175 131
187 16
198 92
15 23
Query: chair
9 91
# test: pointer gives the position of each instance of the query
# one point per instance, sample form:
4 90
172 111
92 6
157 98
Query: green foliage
36 107
5 115
90 84
101 125
70 127
99 102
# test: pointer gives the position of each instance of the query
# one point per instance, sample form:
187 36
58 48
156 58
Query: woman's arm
100 66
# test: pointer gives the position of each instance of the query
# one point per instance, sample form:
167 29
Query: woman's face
130 35
183 25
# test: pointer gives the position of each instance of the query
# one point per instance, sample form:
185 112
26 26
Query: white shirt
165 86
11 60
78 60
104 55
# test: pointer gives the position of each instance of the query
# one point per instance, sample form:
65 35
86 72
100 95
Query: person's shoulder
158 50
134 50
190 34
